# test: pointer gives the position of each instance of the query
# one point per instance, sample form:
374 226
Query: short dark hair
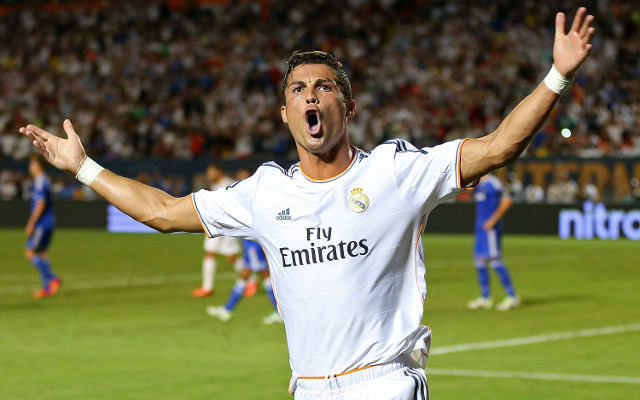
319 57
39 159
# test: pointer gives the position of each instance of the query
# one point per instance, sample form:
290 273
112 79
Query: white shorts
225 245
400 379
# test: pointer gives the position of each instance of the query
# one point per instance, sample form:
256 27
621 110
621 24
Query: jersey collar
353 160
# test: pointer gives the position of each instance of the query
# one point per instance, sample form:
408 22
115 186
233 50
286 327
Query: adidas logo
283 215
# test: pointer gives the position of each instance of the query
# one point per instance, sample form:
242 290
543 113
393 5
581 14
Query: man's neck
322 167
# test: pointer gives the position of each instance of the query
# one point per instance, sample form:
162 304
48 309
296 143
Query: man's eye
297 89
325 87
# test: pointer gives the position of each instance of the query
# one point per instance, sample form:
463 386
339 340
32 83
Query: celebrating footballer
348 265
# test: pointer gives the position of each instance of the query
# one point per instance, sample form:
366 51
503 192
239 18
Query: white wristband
88 171
557 82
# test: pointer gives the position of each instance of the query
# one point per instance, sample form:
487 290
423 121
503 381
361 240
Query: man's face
34 168
315 110
213 174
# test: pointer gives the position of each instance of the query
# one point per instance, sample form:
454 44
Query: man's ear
351 108
283 114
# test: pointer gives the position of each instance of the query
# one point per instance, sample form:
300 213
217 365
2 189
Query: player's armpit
474 162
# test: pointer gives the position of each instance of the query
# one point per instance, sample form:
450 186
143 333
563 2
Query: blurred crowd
17 185
563 188
142 80
154 79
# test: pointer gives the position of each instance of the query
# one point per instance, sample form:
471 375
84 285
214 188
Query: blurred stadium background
160 89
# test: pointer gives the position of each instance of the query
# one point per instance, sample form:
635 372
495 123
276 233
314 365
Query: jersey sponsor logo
358 201
284 215
321 252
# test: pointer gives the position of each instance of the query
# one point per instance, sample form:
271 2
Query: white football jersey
345 254
226 246
222 183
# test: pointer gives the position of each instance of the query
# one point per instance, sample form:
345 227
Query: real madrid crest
358 201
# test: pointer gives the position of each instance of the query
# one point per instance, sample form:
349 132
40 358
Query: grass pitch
125 327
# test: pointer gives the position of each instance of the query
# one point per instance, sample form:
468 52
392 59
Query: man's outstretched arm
504 145
145 204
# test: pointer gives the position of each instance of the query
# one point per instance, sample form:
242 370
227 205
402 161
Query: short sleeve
39 190
226 211
428 176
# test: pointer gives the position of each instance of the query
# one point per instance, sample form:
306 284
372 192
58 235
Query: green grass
125 327
565 286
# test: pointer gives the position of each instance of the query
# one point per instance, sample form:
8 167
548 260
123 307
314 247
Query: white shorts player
224 245
350 289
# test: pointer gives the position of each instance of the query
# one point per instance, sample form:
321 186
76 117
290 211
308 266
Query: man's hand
29 228
488 224
65 154
570 50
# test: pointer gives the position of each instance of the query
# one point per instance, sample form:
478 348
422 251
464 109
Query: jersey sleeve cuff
195 209
473 184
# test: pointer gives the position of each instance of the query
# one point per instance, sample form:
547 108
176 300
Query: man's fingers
578 19
68 128
36 137
26 133
586 26
559 25
31 136
39 146
39 132
589 35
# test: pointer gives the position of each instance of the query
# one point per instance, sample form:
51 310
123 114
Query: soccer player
342 227
213 246
492 202
40 227
255 261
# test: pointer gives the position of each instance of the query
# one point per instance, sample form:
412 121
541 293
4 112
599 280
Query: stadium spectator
590 192
563 189
534 194
9 189
635 192
515 187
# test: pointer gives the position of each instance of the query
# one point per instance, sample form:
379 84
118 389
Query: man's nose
312 99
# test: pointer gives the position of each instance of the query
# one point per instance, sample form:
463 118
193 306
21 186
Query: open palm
65 154
571 49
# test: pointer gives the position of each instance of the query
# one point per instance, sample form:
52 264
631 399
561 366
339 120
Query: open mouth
313 122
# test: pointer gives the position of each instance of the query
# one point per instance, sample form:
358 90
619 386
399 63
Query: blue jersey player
255 262
492 202
40 227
